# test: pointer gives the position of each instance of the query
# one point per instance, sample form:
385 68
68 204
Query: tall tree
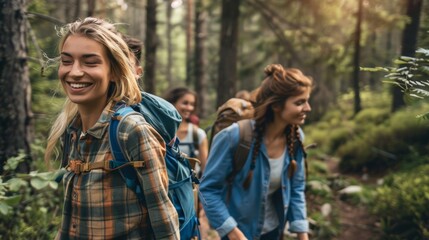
91 8
227 71
169 65
150 47
408 46
189 12
200 56
356 59
15 111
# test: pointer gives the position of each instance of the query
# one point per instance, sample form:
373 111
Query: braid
259 131
291 136
301 145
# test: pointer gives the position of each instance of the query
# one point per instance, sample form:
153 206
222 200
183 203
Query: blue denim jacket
246 207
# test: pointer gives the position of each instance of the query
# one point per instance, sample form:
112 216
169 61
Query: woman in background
193 140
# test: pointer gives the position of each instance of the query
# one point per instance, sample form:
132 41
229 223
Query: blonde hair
125 87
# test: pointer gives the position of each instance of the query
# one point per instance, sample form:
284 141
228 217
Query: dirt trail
356 222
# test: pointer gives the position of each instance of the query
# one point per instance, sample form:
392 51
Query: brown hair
278 85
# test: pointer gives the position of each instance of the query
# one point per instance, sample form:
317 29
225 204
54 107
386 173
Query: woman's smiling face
185 105
295 108
84 71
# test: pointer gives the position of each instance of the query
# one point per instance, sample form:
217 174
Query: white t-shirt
185 143
271 220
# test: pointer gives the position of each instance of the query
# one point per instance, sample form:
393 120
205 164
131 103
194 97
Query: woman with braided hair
268 191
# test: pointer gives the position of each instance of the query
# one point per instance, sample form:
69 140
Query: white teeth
79 85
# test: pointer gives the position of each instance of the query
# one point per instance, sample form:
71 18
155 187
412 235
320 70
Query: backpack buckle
78 166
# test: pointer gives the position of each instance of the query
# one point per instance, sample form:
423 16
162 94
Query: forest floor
356 223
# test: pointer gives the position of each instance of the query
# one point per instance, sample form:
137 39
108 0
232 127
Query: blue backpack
165 119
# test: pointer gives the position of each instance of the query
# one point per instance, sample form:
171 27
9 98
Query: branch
36 45
277 30
44 17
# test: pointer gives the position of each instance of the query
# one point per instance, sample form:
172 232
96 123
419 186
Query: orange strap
78 166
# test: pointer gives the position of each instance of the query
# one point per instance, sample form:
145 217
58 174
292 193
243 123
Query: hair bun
273 68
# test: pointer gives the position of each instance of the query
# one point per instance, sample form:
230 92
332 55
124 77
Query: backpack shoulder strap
119 159
114 132
243 147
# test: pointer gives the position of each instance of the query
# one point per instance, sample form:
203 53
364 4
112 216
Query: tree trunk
408 45
76 10
356 60
71 10
91 8
169 65
150 47
189 11
227 72
15 111
200 56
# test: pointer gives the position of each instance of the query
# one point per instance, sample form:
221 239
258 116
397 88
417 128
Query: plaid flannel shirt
98 204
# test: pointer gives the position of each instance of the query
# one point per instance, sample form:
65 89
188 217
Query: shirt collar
100 127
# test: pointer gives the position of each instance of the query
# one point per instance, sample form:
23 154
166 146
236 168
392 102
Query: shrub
402 204
30 204
383 147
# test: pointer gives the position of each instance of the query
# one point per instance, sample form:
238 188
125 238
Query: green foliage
402 204
29 207
380 146
374 115
374 139
411 74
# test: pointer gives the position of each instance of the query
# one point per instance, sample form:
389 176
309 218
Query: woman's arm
236 234
297 213
203 152
302 236
213 182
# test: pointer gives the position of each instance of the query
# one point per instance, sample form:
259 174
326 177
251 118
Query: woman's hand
302 236
236 234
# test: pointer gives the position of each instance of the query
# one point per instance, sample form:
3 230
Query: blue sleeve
213 182
297 213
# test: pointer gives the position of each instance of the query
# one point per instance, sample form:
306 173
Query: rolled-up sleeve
297 213
213 182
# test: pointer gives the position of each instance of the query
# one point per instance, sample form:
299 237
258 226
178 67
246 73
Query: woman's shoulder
135 124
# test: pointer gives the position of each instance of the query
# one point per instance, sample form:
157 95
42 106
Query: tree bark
169 45
200 56
189 12
15 110
227 72
150 47
408 46
356 60
91 8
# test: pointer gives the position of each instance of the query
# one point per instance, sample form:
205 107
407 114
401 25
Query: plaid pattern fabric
98 204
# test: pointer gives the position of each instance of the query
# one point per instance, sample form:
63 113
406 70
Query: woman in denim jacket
269 190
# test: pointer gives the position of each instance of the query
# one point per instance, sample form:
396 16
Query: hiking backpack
165 119
231 111
240 111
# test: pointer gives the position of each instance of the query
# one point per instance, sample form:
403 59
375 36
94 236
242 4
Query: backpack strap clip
79 167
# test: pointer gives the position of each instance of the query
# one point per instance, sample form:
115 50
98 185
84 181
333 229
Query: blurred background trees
218 48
